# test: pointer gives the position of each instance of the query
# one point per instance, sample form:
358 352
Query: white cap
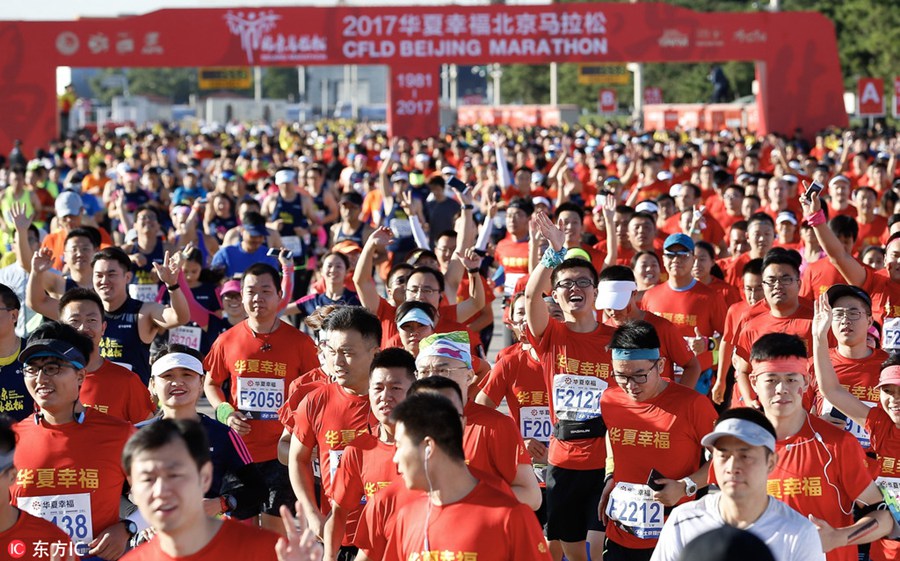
664 175
647 206
422 157
743 430
542 201
790 178
614 295
675 190
786 216
839 177
284 176
448 170
176 360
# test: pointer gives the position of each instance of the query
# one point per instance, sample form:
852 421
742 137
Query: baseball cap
416 178
399 176
346 247
352 197
790 178
837 178
231 286
840 290
537 177
647 206
664 175
542 201
255 229
285 176
176 360
679 239
448 170
742 429
38 348
417 315
786 216
890 375
614 295
68 203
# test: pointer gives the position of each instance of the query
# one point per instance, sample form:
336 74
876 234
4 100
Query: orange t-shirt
520 379
331 418
39 538
92 185
298 389
81 462
486 524
662 433
672 344
513 256
885 294
366 467
819 277
885 438
117 391
260 379
758 323
696 307
56 242
233 541
492 442
577 368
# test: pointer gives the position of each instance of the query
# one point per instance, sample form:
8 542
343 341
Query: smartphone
457 185
815 187
834 413
276 251
651 481
498 194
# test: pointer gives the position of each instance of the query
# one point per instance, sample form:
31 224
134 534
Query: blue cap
258 230
679 239
38 348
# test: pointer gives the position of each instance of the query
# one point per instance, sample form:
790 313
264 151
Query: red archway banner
796 52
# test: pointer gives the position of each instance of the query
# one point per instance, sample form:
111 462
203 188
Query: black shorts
573 497
278 487
615 552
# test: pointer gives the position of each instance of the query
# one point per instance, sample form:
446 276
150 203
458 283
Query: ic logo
16 549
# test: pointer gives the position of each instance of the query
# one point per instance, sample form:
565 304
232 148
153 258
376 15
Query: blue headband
635 354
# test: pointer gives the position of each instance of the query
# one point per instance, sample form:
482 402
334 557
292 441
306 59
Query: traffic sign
870 97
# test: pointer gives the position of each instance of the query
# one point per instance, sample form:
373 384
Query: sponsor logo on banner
673 38
753 36
870 96
708 38
67 43
261 44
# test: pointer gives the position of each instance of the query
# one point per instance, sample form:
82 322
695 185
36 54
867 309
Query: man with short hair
333 415
73 453
743 455
471 517
259 358
69 216
818 276
760 238
169 469
235 259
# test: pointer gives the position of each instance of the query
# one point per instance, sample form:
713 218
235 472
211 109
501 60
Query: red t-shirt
331 418
39 539
819 277
298 389
520 379
81 462
233 541
366 467
696 307
885 438
672 344
729 293
513 256
492 442
758 321
885 294
117 391
871 233
260 379
733 268
575 365
662 433
801 480
486 524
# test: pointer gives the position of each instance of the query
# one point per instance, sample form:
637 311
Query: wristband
172 287
552 258
816 219
474 271
468 207
610 466
223 411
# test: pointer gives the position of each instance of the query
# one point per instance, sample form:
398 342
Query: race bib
633 507
334 460
260 398
890 338
509 283
577 398
851 426
293 244
534 422
71 513
143 292
185 335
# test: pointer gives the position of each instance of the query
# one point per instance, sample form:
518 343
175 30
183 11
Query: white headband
176 360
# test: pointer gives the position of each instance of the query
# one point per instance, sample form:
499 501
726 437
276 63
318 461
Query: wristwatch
690 488
130 527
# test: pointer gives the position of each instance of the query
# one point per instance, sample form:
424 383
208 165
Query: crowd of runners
280 343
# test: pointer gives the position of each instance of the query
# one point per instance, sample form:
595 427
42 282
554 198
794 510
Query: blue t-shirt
185 196
235 260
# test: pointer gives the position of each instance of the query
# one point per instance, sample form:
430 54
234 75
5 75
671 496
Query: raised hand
167 272
821 324
554 235
382 237
609 207
21 221
300 542
42 260
811 204
470 258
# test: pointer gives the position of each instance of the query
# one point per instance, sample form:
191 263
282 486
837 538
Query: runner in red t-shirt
617 299
653 425
174 456
760 238
821 470
259 358
332 416
108 387
460 514
366 466
576 368
512 251
819 276
73 453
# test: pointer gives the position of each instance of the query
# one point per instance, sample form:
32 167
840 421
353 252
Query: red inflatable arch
795 53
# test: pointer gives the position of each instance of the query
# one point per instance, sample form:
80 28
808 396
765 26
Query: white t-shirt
789 535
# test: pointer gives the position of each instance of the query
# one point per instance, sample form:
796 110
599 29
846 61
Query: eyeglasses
582 282
400 281
442 371
676 254
840 314
421 290
772 282
636 378
49 369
